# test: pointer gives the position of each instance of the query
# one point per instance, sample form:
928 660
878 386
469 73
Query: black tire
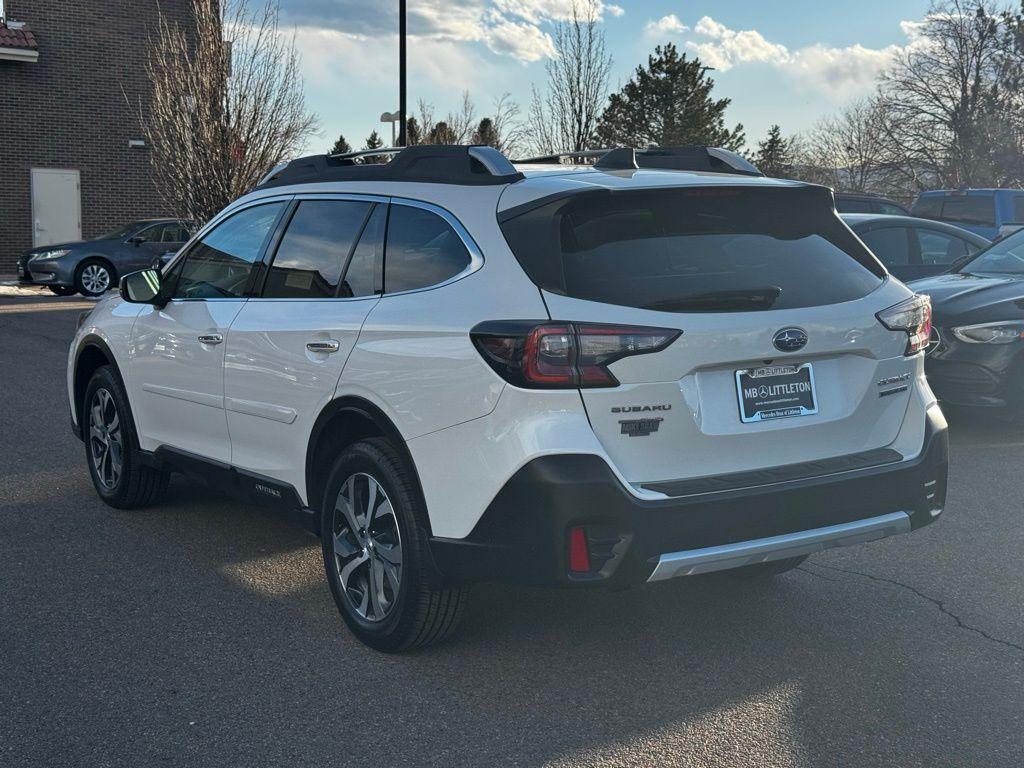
420 612
135 485
62 290
767 570
84 283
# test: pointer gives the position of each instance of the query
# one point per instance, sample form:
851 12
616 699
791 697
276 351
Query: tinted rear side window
970 209
692 250
315 249
422 250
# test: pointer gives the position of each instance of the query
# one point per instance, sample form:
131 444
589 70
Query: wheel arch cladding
341 423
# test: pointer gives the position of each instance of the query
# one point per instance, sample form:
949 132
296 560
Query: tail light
563 355
913 316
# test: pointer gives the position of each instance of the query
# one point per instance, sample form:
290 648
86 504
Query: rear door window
940 247
890 244
315 249
695 249
970 209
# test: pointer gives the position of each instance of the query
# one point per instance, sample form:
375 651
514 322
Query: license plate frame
755 408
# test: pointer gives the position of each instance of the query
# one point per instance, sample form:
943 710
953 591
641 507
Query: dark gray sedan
91 267
913 248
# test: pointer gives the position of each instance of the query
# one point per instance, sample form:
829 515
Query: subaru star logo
790 339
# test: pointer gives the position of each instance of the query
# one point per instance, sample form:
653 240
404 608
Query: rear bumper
523 534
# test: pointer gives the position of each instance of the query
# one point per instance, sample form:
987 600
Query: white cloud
728 47
519 29
666 25
836 70
524 42
539 11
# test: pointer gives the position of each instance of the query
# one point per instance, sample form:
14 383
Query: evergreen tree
487 133
413 132
442 134
774 155
668 103
340 146
373 141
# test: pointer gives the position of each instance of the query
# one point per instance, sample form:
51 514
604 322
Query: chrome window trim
476 256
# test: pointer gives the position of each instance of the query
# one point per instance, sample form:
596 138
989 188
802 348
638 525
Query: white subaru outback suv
456 369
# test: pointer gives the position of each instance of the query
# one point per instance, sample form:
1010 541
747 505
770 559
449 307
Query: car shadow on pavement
206 611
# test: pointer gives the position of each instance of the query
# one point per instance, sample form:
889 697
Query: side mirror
137 240
142 287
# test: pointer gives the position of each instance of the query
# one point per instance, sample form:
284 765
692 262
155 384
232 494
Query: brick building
72 160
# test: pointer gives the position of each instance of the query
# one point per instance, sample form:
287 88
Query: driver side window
218 266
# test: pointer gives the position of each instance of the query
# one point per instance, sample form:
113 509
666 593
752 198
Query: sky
789 62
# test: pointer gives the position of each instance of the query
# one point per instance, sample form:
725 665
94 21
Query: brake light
563 355
914 316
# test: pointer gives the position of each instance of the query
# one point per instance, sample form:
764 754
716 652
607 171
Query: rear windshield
972 209
695 249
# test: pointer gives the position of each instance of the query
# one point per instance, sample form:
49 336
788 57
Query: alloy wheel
96 278
105 439
367 547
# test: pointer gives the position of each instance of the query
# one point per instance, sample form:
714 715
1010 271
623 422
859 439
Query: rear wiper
737 300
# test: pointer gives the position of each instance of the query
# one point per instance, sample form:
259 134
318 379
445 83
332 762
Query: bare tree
565 115
848 151
945 119
227 104
504 130
509 131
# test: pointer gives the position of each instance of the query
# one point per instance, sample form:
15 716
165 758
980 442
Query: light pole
402 106
391 117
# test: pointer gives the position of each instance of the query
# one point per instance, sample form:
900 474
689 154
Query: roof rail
427 163
688 158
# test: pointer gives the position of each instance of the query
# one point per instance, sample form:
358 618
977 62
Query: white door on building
56 206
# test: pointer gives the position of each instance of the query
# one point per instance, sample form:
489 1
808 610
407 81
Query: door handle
210 338
326 347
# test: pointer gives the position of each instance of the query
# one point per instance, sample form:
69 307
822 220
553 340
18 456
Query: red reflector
579 550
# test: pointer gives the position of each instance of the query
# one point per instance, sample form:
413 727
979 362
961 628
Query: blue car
990 213
92 267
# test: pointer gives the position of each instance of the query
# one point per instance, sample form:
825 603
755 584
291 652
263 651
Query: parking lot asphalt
201 632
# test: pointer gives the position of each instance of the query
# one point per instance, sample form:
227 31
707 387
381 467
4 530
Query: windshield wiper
737 300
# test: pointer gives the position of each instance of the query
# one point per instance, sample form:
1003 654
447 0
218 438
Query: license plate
776 392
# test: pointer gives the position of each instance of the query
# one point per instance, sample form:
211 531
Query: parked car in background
976 355
982 211
913 248
854 202
91 267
